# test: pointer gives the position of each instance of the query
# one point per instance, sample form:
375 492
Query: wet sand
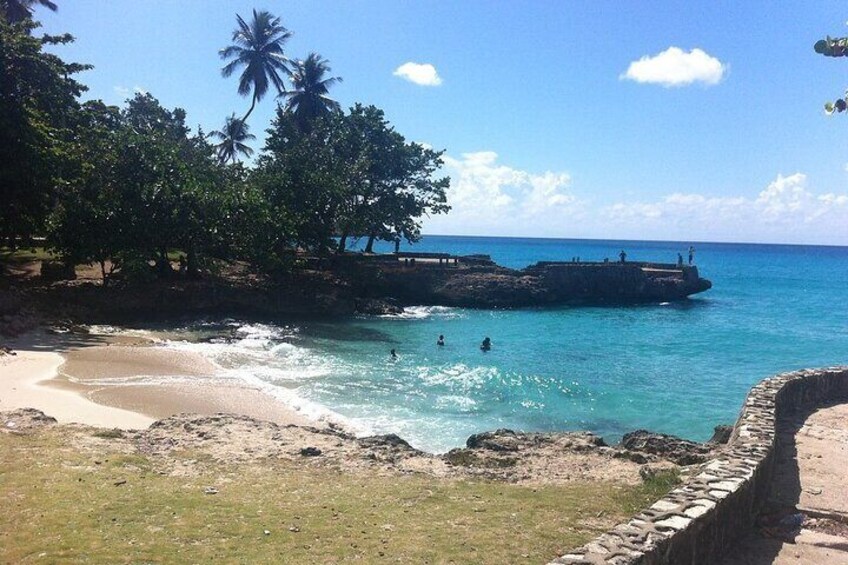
90 380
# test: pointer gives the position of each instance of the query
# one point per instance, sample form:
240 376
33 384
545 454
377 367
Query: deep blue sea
679 368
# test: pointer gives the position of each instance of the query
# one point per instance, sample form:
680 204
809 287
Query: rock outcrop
478 283
681 451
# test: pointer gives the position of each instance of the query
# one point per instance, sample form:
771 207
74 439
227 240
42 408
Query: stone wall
696 522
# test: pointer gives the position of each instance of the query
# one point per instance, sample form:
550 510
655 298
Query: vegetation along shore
121 444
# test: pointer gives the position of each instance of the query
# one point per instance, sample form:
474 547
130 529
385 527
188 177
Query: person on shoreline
691 254
393 354
622 256
441 340
680 260
486 345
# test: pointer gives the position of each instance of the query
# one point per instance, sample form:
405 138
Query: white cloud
125 92
491 198
784 211
488 197
423 74
675 67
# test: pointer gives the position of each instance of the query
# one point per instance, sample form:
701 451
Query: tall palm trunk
252 105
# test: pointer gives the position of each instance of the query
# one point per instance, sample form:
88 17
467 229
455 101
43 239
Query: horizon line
687 242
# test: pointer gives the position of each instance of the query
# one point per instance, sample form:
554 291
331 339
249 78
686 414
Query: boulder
680 451
721 435
387 440
499 440
377 307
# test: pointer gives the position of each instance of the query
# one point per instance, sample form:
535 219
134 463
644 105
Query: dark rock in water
490 289
310 452
462 281
721 435
377 307
681 451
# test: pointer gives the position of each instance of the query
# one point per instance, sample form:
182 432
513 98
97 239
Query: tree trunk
191 264
252 105
103 273
369 247
163 264
342 244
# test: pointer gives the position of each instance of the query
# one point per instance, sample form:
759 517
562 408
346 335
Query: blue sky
546 132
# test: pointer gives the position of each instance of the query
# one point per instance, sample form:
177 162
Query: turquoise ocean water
678 368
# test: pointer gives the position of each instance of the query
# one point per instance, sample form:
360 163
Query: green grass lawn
24 255
64 505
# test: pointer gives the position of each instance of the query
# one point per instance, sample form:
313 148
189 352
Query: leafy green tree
145 185
834 47
169 182
86 225
258 49
232 140
309 98
19 10
38 104
301 175
392 184
348 175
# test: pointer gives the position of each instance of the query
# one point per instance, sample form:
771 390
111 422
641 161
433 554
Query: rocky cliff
487 285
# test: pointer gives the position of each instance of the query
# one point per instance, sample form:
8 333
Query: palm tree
232 138
18 10
309 98
258 48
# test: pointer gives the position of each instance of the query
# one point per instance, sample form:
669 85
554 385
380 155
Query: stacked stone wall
699 520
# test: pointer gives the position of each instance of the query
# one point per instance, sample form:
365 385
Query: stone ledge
696 522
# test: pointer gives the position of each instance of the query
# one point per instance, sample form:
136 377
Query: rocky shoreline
501 455
344 285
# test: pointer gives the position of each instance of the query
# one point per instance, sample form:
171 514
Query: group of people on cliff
623 256
691 257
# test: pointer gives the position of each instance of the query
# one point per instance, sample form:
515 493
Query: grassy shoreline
77 494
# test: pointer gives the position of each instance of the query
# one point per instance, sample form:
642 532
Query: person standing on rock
680 260
691 254
622 256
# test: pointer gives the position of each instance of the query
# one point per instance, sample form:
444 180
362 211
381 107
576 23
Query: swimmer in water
393 354
486 345
441 340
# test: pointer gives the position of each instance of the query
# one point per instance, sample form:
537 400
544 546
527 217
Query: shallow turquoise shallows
679 368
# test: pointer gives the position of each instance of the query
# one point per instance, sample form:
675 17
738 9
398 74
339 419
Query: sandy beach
98 382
